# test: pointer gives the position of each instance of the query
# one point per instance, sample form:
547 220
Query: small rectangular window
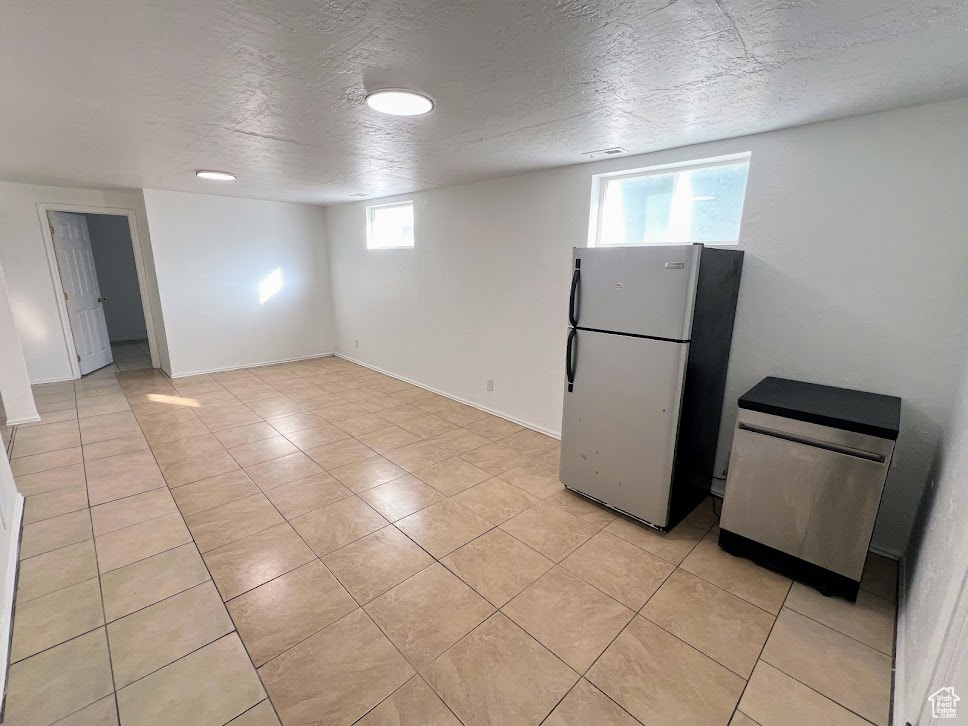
389 226
677 204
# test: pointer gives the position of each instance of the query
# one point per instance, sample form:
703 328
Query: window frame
369 225
599 182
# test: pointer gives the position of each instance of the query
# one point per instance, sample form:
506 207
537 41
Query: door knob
102 299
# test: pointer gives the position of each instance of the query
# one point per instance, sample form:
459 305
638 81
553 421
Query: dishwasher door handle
814 443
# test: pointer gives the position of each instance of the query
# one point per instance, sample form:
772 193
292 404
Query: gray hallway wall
117 276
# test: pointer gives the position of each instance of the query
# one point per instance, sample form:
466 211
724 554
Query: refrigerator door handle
571 357
574 299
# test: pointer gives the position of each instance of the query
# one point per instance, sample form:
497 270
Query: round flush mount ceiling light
215 175
399 102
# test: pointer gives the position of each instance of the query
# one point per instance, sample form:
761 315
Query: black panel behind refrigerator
717 291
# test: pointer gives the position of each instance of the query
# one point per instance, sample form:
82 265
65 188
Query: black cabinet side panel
717 291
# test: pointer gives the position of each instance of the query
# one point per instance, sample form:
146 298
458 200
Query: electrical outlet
490 384
356 342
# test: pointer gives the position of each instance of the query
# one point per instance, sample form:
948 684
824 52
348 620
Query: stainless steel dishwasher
806 474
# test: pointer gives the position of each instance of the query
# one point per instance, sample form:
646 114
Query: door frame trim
132 216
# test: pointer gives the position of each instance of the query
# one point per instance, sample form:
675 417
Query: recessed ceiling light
399 102
215 175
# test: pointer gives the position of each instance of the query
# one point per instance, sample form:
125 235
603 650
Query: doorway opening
97 266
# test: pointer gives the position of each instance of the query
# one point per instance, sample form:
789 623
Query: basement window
389 226
698 201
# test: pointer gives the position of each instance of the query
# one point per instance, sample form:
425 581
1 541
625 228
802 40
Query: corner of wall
933 578
13 503
324 269
156 304
899 704
15 390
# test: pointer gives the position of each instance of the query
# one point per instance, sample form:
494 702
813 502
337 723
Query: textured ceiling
140 93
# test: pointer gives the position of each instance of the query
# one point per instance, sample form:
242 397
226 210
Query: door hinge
65 297
78 357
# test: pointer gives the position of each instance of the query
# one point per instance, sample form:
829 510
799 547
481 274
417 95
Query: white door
85 310
647 291
618 431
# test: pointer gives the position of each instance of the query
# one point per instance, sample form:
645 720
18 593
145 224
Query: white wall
29 282
15 392
19 404
212 252
933 622
13 504
117 276
856 275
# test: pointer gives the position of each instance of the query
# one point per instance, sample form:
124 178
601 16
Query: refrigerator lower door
621 416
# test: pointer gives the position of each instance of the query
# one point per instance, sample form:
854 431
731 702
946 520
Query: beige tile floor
317 543
130 355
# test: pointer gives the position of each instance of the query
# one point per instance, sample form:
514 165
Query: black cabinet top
842 408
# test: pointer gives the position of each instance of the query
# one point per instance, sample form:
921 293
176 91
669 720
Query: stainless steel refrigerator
647 352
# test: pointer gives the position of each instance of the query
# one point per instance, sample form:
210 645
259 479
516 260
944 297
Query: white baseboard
42 381
186 374
889 554
494 411
718 487
9 591
23 420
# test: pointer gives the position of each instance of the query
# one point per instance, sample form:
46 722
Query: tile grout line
760 654
839 632
581 678
527 634
418 675
360 606
167 597
733 594
212 580
181 657
316 557
203 559
811 688
389 523
584 674
352 494
638 613
104 624
66 640
471 587
319 559
104 618
91 540
107 637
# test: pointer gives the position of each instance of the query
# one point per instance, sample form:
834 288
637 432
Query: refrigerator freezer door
618 431
638 290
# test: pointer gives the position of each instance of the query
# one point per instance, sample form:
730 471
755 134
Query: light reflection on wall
29 322
270 285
